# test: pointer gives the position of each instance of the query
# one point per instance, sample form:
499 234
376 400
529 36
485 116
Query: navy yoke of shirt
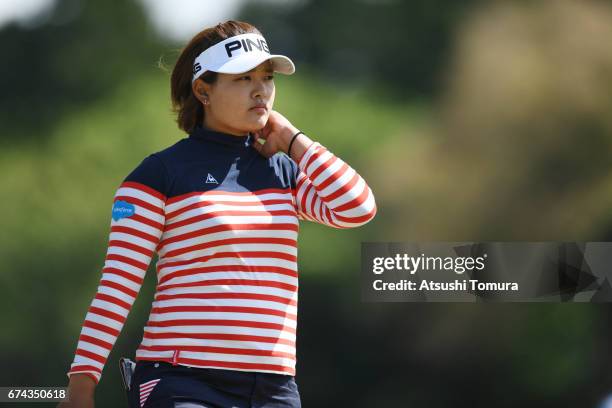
209 160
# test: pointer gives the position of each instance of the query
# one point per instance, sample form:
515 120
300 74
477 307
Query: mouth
259 109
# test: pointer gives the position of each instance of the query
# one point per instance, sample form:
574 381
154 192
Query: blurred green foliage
402 45
75 53
510 143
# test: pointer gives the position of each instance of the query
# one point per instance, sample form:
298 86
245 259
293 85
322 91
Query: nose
261 89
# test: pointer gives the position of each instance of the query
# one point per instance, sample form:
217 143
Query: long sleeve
136 225
330 192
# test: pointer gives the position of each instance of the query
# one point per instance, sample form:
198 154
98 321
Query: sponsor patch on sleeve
123 209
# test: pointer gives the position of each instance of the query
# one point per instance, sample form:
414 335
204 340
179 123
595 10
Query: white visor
239 54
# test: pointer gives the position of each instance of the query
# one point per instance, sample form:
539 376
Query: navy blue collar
202 133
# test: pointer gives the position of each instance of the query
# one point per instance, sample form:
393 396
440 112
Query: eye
270 77
243 77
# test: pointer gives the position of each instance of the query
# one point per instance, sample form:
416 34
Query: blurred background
470 121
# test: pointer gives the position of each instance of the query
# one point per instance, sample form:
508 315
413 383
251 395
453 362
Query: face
233 98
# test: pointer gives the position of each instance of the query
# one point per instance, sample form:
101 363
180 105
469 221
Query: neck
218 127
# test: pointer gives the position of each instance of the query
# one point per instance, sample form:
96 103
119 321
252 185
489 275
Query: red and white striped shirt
227 272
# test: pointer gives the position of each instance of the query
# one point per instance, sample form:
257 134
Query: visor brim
244 63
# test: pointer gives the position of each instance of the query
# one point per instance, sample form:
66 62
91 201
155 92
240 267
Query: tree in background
78 52
522 136
403 44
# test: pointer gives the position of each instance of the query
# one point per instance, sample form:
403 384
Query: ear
200 90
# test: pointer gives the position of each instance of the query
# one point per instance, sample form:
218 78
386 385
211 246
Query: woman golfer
221 209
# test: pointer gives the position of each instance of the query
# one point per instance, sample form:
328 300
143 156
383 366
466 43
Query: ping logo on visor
197 67
239 54
247 45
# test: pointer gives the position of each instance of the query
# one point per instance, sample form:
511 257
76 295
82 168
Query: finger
265 131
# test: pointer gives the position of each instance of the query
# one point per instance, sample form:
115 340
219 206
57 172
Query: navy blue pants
162 385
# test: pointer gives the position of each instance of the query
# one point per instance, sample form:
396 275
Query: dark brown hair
188 108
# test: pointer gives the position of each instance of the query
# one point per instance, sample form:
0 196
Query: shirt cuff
90 374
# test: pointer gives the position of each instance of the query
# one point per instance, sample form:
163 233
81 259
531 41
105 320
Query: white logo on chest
211 180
